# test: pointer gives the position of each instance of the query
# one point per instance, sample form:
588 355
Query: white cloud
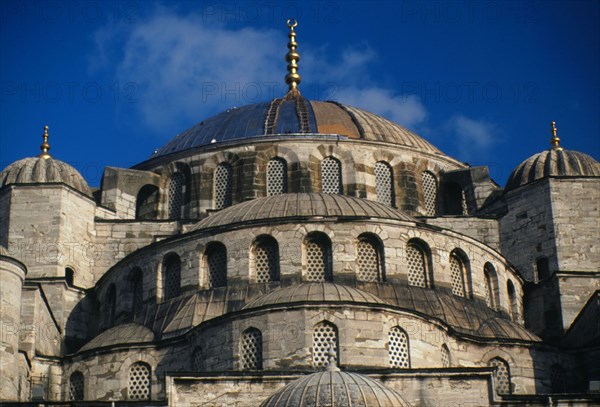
473 138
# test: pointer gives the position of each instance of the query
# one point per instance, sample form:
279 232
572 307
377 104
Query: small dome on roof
335 388
301 206
315 292
121 334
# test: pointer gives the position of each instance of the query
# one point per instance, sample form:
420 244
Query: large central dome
297 116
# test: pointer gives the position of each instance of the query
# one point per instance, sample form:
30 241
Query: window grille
251 350
76 387
331 175
198 359
501 376
457 275
276 177
223 186
416 262
216 261
398 348
175 195
368 260
324 336
266 261
318 266
445 354
139 382
430 192
384 184
172 277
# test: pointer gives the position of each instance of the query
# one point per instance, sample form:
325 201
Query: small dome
335 388
34 170
315 292
121 334
301 206
553 163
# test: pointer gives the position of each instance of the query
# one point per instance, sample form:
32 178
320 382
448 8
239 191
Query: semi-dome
121 334
333 387
295 116
300 206
315 292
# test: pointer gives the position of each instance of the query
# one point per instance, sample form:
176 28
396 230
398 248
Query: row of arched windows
139 383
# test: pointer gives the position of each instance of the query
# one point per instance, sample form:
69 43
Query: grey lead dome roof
333 388
35 170
553 163
301 206
296 116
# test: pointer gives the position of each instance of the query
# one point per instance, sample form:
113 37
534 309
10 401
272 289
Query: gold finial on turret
292 57
555 140
45 146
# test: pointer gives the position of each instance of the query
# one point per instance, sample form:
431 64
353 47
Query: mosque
301 253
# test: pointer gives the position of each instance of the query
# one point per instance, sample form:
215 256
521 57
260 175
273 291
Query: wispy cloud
473 137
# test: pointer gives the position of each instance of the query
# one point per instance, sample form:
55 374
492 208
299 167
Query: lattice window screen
198 359
416 262
368 261
76 387
331 176
317 261
384 184
138 387
266 261
324 336
223 186
398 348
276 177
216 261
430 192
172 278
176 184
456 275
501 376
445 355
251 350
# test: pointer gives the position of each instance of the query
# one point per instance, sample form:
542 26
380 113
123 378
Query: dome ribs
271 116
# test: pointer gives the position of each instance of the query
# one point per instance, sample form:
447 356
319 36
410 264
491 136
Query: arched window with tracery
175 194
140 381
418 265
318 261
171 276
369 259
215 262
492 298
430 187
459 274
251 349
198 364
398 348
223 186
384 183
502 381
265 259
76 387
445 355
331 175
277 180
325 338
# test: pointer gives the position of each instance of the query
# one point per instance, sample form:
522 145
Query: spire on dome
292 57
45 146
554 140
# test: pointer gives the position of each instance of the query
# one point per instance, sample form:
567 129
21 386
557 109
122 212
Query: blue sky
480 80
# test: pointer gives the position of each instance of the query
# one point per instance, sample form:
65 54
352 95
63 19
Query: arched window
384 183
171 277
325 336
137 290
398 348
69 276
558 379
512 299
276 176
491 286
76 387
417 261
265 252
445 355
176 183
369 259
501 375
140 379
111 303
430 192
331 176
216 264
223 186
317 247
198 359
542 267
251 349
146 202
458 274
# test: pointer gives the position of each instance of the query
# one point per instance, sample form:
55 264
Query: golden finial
292 57
554 140
45 146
